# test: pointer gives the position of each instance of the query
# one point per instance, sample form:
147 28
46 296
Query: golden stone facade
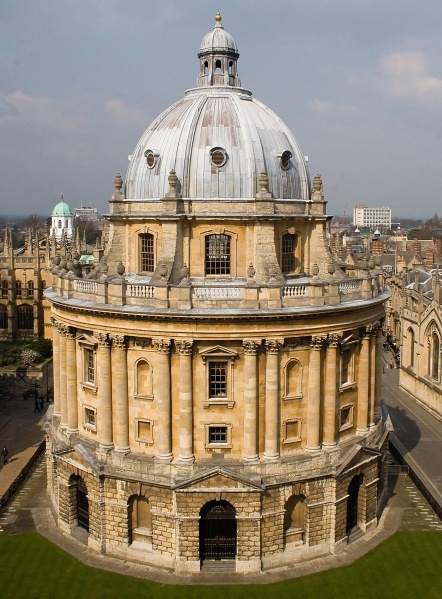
217 376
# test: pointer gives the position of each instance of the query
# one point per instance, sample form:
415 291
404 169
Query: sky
359 82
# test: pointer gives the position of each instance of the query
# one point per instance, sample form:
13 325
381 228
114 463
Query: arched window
295 519
3 317
60 224
18 289
218 255
66 224
293 379
25 317
147 252
143 379
206 67
218 66
435 356
410 338
288 247
230 67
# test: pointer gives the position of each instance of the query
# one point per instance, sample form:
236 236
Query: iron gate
82 505
352 504
218 531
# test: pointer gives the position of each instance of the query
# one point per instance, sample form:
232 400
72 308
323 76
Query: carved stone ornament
103 339
251 347
274 345
184 347
162 345
141 343
318 341
119 341
334 339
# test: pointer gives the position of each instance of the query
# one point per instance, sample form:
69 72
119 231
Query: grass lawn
405 566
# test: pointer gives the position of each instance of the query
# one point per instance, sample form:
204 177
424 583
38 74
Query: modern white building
365 216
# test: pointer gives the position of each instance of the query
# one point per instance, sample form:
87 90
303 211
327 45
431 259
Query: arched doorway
82 505
352 504
218 531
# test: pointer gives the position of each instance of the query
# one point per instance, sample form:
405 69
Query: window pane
217 255
218 434
147 252
218 379
288 253
89 366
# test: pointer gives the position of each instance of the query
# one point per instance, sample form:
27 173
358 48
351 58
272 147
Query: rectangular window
217 379
89 365
217 434
17 288
346 417
292 431
288 245
30 289
5 289
144 431
147 252
89 417
347 366
217 255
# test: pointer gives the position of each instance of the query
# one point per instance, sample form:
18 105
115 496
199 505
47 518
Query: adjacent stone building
217 375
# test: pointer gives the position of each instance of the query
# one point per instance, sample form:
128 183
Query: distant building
62 221
86 213
364 216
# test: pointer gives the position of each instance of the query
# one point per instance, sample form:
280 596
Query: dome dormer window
284 159
151 158
218 157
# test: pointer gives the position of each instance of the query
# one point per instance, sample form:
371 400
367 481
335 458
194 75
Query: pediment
218 351
87 339
355 457
350 339
220 479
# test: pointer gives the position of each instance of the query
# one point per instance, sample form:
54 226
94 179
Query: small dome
218 39
62 209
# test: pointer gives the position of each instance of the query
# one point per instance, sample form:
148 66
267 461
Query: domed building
217 375
62 221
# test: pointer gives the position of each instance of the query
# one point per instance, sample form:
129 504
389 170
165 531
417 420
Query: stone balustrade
199 296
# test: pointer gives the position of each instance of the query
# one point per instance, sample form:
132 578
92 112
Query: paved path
417 434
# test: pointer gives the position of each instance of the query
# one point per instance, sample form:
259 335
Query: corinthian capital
251 347
184 347
103 339
119 341
162 345
318 341
274 345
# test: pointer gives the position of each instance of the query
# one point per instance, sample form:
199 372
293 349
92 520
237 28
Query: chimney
429 258
417 246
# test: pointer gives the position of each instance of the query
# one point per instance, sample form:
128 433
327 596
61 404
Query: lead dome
218 117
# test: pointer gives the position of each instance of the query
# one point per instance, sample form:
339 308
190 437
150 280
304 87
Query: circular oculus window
151 159
218 157
285 160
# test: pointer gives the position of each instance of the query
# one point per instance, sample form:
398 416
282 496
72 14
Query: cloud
329 108
40 111
406 76
123 113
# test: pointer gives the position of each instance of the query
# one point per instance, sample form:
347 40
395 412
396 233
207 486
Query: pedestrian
392 364
42 399
37 405
5 453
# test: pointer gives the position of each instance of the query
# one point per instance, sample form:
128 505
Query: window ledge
292 396
346 387
90 427
219 446
291 440
90 387
143 397
219 402
345 427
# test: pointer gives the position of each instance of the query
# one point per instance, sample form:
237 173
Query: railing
347 287
142 291
215 293
294 291
85 286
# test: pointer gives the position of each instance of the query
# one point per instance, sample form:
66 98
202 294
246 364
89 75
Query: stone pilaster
121 399
186 401
250 446
163 396
63 379
71 380
314 394
331 391
104 392
56 365
372 386
379 368
272 408
363 383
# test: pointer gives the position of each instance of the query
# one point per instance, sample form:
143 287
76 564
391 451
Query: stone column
164 399
186 401
63 379
121 399
379 369
104 392
372 386
56 365
250 444
331 391
271 451
363 382
314 394
71 380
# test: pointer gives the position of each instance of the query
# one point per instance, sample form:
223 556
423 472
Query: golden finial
218 19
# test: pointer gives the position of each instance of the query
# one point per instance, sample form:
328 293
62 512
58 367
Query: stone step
218 565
